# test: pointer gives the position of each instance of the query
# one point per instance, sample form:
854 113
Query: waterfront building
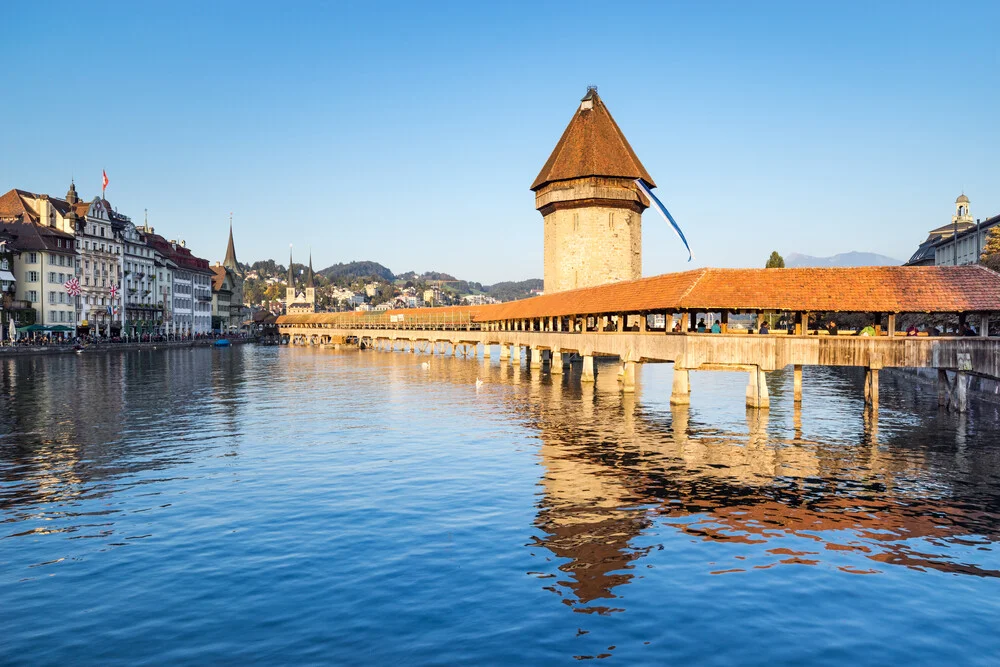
99 233
164 265
300 302
10 306
966 245
234 313
222 298
141 283
192 292
933 250
590 203
43 234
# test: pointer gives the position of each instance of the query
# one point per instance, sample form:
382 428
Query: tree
991 252
775 261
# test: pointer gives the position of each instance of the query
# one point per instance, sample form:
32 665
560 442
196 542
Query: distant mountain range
853 258
367 270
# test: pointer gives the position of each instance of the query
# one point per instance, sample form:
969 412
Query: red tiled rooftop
874 289
592 145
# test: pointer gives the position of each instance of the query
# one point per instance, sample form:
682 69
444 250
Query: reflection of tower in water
613 470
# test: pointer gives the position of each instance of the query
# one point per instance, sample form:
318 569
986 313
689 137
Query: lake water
273 506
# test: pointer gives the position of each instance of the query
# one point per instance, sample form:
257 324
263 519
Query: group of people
34 340
830 327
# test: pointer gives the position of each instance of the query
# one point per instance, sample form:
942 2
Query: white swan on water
479 383
426 365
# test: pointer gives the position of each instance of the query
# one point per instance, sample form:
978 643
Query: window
3 265
33 258
52 276
32 295
52 297
32 276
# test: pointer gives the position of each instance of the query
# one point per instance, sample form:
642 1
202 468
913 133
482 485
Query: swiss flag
104 182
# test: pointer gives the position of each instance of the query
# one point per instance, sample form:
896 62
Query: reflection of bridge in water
614 469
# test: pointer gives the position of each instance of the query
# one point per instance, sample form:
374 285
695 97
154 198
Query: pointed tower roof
230 261
592 145
309 279
291 274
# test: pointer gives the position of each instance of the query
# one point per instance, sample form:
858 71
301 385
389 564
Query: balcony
15 304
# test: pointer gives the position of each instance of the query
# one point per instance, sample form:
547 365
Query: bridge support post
757 395
486 350
515 355
536 358
797 383
871 388
556 363
628 377
504 352
681 394
960 395
587 374
942 388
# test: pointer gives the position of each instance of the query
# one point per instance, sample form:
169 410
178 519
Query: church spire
230 261
291 274
309 279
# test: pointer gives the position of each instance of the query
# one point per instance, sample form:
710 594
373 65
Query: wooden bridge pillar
515 355
942 388
587 374
536 358
757 395
871 388
556 364
681 394
504 352
486 350
797 383
960 395
628 377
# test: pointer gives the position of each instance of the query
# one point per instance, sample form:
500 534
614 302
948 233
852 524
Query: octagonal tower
591 206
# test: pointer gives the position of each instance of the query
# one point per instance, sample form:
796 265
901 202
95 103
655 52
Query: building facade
966 246
38 226
101 244
140 284
300 301
222 299
934 250
590 204
234 314
192 293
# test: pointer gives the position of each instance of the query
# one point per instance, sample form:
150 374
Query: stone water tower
592 209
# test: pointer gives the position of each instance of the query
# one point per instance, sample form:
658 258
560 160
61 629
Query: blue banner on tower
658 205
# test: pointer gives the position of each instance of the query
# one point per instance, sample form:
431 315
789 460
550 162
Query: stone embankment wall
110 347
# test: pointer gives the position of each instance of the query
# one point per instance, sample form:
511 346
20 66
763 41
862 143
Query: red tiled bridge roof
876 289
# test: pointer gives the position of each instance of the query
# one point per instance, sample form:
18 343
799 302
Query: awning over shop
6 275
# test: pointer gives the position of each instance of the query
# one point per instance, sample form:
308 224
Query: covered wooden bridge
638 320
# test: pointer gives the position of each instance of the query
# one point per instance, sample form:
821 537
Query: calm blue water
277 506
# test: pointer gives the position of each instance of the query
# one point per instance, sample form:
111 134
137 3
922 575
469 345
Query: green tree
775 261
991 252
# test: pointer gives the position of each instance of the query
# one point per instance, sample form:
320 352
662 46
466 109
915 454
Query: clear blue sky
408 134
